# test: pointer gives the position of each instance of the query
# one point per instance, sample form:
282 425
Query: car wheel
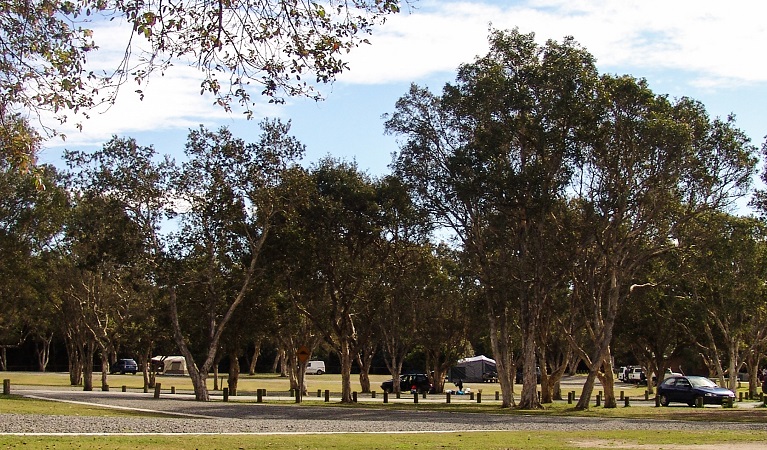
663 400
320 372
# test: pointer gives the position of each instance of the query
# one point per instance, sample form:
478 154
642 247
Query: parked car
412 382
518 378
688 389
124 366
490 377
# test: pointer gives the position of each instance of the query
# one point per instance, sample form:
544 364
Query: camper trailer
169 365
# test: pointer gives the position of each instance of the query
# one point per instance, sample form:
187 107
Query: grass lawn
576 439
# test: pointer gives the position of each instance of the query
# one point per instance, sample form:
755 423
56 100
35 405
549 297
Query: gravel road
247 417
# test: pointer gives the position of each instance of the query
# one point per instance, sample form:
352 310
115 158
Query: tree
230 188
278 44
654 166
490 159
725 282
334 248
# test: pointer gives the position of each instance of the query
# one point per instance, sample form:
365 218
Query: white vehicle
315 367
636 375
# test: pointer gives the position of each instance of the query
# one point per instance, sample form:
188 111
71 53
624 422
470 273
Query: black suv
124 366
412 382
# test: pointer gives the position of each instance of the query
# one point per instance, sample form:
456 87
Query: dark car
490 377
124 366
518 378
412 382
690 389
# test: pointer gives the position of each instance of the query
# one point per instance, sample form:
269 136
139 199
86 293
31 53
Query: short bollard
259 396
599 400
386 397
626 401
622 393
698 402
415 397
764 400
471 396
173 389
728 402
373 394
7 386
646 395
479 397
226 393
740 396
354 397
657 401
398 395
298 395
497 395
447 398
539 396
319 393
157 388
569 398
423 394
124 388
327 395
292 393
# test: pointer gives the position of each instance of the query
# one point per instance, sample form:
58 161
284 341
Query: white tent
471 369
170 365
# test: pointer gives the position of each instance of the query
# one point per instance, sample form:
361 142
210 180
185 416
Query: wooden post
327 395
626 402
7 386
373 394
319 393
699 402
226 393
298 395
354 397
657 401
415 397
447 398
497 395
622 393
157 388
569 398
423 394
740 396
125 388
599 400
479 397
386 396
173 389
259 396
471 396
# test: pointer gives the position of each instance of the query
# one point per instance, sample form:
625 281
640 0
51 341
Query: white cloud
713 42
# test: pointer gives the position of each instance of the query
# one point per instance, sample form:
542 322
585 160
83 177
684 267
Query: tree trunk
345 357
504 359
365 362
254 359
529 399
234 373
43 350
75 361
104 371
88 352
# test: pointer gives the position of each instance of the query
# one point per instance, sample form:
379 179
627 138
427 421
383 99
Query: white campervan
315 367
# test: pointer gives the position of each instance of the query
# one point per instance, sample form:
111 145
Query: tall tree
490 159
653 166
230 189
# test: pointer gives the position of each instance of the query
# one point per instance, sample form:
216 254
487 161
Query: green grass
459 440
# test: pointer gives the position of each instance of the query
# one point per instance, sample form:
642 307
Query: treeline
554 214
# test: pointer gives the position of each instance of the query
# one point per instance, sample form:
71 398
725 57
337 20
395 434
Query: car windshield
701 382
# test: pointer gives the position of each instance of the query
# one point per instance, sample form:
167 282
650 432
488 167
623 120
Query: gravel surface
241 417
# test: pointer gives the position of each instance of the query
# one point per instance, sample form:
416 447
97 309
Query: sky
712 51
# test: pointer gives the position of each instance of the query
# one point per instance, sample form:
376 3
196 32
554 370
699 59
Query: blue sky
709 50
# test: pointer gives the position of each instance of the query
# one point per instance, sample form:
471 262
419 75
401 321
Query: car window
701 382
682 382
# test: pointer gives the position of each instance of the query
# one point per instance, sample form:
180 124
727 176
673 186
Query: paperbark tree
489 159
654 165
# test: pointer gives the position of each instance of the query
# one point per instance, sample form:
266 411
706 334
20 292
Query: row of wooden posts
261 393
